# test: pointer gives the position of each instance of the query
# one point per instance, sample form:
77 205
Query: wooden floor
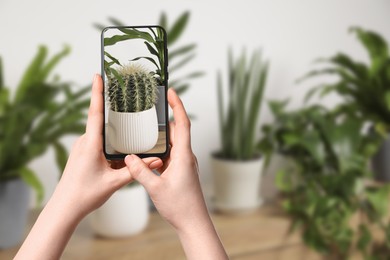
258 235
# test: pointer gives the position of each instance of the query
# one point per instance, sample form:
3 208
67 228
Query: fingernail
94 78
154 164
128 158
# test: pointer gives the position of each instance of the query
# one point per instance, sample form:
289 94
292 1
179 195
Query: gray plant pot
381 162
14 200
160 106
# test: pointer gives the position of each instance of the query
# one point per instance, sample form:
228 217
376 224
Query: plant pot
381 163
14 201
160 106
237 185
133 132
126 213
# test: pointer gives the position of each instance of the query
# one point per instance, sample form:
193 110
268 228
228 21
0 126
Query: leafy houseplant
365 89
154 41
40 112
239 156
178 57
325 191
132 120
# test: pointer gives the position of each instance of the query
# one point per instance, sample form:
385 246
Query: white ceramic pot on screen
133 132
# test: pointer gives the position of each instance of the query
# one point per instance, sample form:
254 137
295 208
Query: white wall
291 33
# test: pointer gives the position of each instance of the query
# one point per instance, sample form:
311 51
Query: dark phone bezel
141 155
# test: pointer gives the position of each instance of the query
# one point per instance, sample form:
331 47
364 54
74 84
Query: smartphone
134 61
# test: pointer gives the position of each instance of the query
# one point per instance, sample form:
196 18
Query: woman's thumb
140 171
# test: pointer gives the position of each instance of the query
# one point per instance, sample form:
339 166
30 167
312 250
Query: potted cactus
237 165
132 118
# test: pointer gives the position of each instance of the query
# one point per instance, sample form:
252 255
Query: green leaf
118 77
61 155
180 51
147 58
99 26
375 45
112 58
131 34
163 20
4 100
181 63
379 200
151 49
31 73
31 179
181 89
178 28
115 21
1 74
387 99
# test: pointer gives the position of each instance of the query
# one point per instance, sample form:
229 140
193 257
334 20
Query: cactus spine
135 90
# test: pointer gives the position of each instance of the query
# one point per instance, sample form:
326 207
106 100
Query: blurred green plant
178 56
325 190
246 83
40 112
364 87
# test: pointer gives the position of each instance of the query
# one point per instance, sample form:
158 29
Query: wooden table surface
258 235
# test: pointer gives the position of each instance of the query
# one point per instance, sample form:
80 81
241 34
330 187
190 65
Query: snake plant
239 119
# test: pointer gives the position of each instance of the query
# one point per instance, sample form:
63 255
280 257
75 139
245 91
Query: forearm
51 232
200 240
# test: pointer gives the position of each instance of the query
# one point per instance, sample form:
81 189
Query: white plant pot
237 185
126 213
133 132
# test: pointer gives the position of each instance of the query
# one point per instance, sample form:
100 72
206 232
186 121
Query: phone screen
134 70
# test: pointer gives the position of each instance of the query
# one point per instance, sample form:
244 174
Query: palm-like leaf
178 57
364 87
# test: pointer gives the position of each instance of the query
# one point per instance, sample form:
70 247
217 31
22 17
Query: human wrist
197 220
200 240
61 203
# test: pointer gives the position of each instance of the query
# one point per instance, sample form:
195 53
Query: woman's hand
176 193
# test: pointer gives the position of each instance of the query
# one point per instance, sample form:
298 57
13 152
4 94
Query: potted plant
125 213
365 90
36 117
179 56
327 192
132 118
237 164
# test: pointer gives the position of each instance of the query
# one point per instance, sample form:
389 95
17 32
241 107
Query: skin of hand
177 193
87 182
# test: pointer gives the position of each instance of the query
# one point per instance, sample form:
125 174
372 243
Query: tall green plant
364 86
324 190
239 120
40 112
179 56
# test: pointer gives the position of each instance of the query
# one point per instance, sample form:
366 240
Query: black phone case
141 155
